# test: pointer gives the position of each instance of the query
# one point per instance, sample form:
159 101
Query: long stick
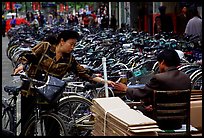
105 75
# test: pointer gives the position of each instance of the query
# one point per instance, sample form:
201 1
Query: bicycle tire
7 118
195 79
101 93
6 132
195 73
28 131
190 71
10 51
155 67
71 110
186 67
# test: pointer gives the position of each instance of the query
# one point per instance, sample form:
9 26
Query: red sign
67 7
34 6
38 3
7 5
61 8
13 5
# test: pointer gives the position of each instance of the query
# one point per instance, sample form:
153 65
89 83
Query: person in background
157 25
113 23
71 19
169 78
123 28
13 21
181 21
35 23
61 19
86 21
194 25
104 22
41 20
98 21
76 20
50 19
95 19
28 16
3 26
166 21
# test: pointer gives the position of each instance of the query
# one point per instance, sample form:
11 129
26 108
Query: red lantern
61 8
38 6
67 7
34 5
7 5
13 5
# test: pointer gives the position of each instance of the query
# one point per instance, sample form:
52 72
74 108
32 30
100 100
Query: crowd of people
86 20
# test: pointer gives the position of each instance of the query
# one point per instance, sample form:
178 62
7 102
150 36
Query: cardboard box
196 114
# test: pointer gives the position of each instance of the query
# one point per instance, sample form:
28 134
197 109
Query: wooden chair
171 107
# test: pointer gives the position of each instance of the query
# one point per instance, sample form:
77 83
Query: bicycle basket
52 89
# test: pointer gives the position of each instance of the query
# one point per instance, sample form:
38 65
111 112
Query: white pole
105 75
109 10
119 7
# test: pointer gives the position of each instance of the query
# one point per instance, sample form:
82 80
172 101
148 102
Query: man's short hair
170 57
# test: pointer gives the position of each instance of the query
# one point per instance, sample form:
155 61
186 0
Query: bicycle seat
12 90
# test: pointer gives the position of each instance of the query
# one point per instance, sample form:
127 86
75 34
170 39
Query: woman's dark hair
65 35
52 39
170 57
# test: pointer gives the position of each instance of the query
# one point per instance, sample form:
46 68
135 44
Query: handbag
52 89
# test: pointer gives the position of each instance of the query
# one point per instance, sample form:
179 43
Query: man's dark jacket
171 79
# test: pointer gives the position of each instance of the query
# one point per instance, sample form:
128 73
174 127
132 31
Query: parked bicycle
37 125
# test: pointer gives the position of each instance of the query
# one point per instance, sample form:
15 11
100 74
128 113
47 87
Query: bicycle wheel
197 81
190 71
155 67
75 112
7 118
47 125
6 132
101 93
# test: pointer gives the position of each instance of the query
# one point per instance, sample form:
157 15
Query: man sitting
169 78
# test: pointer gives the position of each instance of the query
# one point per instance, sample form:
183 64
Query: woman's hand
18 69
100 80
120 87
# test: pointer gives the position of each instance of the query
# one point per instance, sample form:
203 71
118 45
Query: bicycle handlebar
24 77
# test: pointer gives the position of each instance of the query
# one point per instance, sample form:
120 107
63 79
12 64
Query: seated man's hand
120 87
111 83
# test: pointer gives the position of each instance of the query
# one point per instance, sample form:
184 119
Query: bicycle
75 112
37 123
74 107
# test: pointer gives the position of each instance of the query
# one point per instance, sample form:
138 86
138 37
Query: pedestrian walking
166 21
113 23
194 25
13 21
3 26
181 21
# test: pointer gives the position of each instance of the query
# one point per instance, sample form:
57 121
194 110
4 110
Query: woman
53 59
